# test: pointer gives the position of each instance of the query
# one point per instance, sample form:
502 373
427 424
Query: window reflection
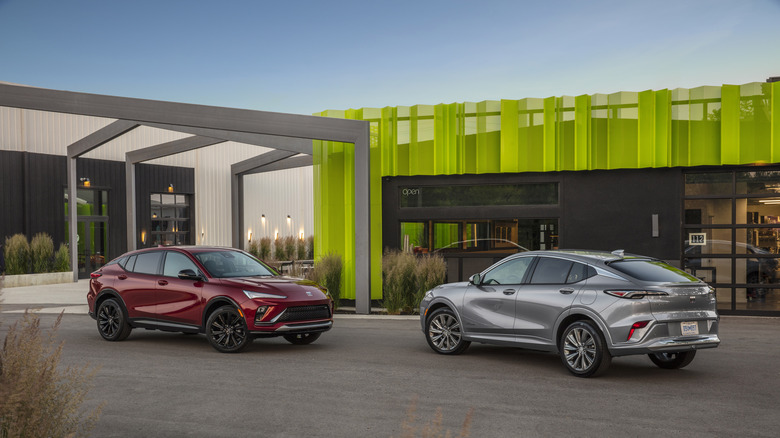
455 236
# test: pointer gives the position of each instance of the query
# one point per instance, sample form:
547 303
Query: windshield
224 264
653 270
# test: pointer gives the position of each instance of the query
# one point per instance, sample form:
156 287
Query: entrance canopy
289 134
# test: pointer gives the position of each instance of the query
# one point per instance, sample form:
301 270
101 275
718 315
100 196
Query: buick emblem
693 299
309 293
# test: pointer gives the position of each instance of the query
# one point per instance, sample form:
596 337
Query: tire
583 350
226 330
112 321
672 361
302 338
443 333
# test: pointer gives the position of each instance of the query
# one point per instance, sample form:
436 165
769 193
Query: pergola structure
289 134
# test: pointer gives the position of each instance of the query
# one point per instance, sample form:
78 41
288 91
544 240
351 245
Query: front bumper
291 328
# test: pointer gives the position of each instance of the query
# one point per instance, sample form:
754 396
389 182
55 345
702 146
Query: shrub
399 281
62 259
36 397
254 249
265 248
41 252
17 255
327 272
431 272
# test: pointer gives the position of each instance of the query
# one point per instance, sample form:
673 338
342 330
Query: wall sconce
249 236
262 218
170 188
202 234
154 215
85 181
301 235
276 235
143 237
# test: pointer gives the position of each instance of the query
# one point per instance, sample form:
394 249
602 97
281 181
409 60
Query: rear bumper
670 344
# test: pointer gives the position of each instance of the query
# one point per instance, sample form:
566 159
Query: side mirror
189 274
475 279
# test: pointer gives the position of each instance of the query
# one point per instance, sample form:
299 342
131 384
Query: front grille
305 313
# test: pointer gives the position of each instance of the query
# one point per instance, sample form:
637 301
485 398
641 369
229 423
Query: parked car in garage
225 293
587 306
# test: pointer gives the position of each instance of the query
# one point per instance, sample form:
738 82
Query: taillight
636 325
634 294
95 275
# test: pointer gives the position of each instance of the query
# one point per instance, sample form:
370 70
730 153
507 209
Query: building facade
690 176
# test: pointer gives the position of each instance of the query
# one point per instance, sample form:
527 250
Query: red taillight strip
634 294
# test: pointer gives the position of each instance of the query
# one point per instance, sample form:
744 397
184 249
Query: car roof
585 255
186 248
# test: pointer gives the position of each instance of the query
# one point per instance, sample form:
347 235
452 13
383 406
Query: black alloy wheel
671 361
111 321
226 330
302 338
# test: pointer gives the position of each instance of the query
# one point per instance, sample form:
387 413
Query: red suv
225 293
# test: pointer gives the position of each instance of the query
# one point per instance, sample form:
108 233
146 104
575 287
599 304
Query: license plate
689 328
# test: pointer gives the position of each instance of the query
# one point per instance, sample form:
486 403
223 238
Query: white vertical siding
274 194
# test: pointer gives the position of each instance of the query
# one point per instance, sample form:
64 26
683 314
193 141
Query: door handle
122 277
162 282
509 291
566 291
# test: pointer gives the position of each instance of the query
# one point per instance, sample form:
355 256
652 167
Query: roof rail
619 253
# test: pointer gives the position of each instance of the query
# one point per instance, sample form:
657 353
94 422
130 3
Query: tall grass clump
279 250
431 271
310 248
265 248
254 249
399 281
17 255
300 249
290 247
432 428
37 397
62 259
327 272
41 253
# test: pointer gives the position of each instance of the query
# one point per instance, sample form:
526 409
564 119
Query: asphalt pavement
361 378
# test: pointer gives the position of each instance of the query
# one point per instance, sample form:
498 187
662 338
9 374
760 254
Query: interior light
170 188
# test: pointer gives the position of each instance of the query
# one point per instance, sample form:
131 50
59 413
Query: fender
102 296
217 299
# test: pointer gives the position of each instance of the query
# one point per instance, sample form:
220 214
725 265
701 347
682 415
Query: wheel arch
580 315
110 293
214 304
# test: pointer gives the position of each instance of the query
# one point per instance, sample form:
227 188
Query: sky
303 57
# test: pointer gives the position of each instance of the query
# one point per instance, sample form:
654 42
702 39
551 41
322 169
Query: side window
130 263
148 262
551 271
580 272
175 262
511 272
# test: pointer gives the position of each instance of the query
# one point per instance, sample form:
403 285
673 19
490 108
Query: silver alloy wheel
444 332
580 349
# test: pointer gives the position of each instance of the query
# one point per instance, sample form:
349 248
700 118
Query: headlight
253 295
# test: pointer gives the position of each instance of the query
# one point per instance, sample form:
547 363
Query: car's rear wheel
226 330
671 361
111 321
302 338
583 350
443 332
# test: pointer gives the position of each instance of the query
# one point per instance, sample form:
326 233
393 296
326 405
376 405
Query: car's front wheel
671 361
226 330
302 338
111 321
443 332
583 350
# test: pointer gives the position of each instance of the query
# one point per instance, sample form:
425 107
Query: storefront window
733 241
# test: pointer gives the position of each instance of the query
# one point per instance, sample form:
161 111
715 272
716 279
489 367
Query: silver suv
588 306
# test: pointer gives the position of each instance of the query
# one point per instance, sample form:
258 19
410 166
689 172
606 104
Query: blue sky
307 56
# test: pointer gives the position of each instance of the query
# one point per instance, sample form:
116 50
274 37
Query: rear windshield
653 270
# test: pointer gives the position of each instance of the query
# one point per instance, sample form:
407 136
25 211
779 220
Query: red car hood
292 288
